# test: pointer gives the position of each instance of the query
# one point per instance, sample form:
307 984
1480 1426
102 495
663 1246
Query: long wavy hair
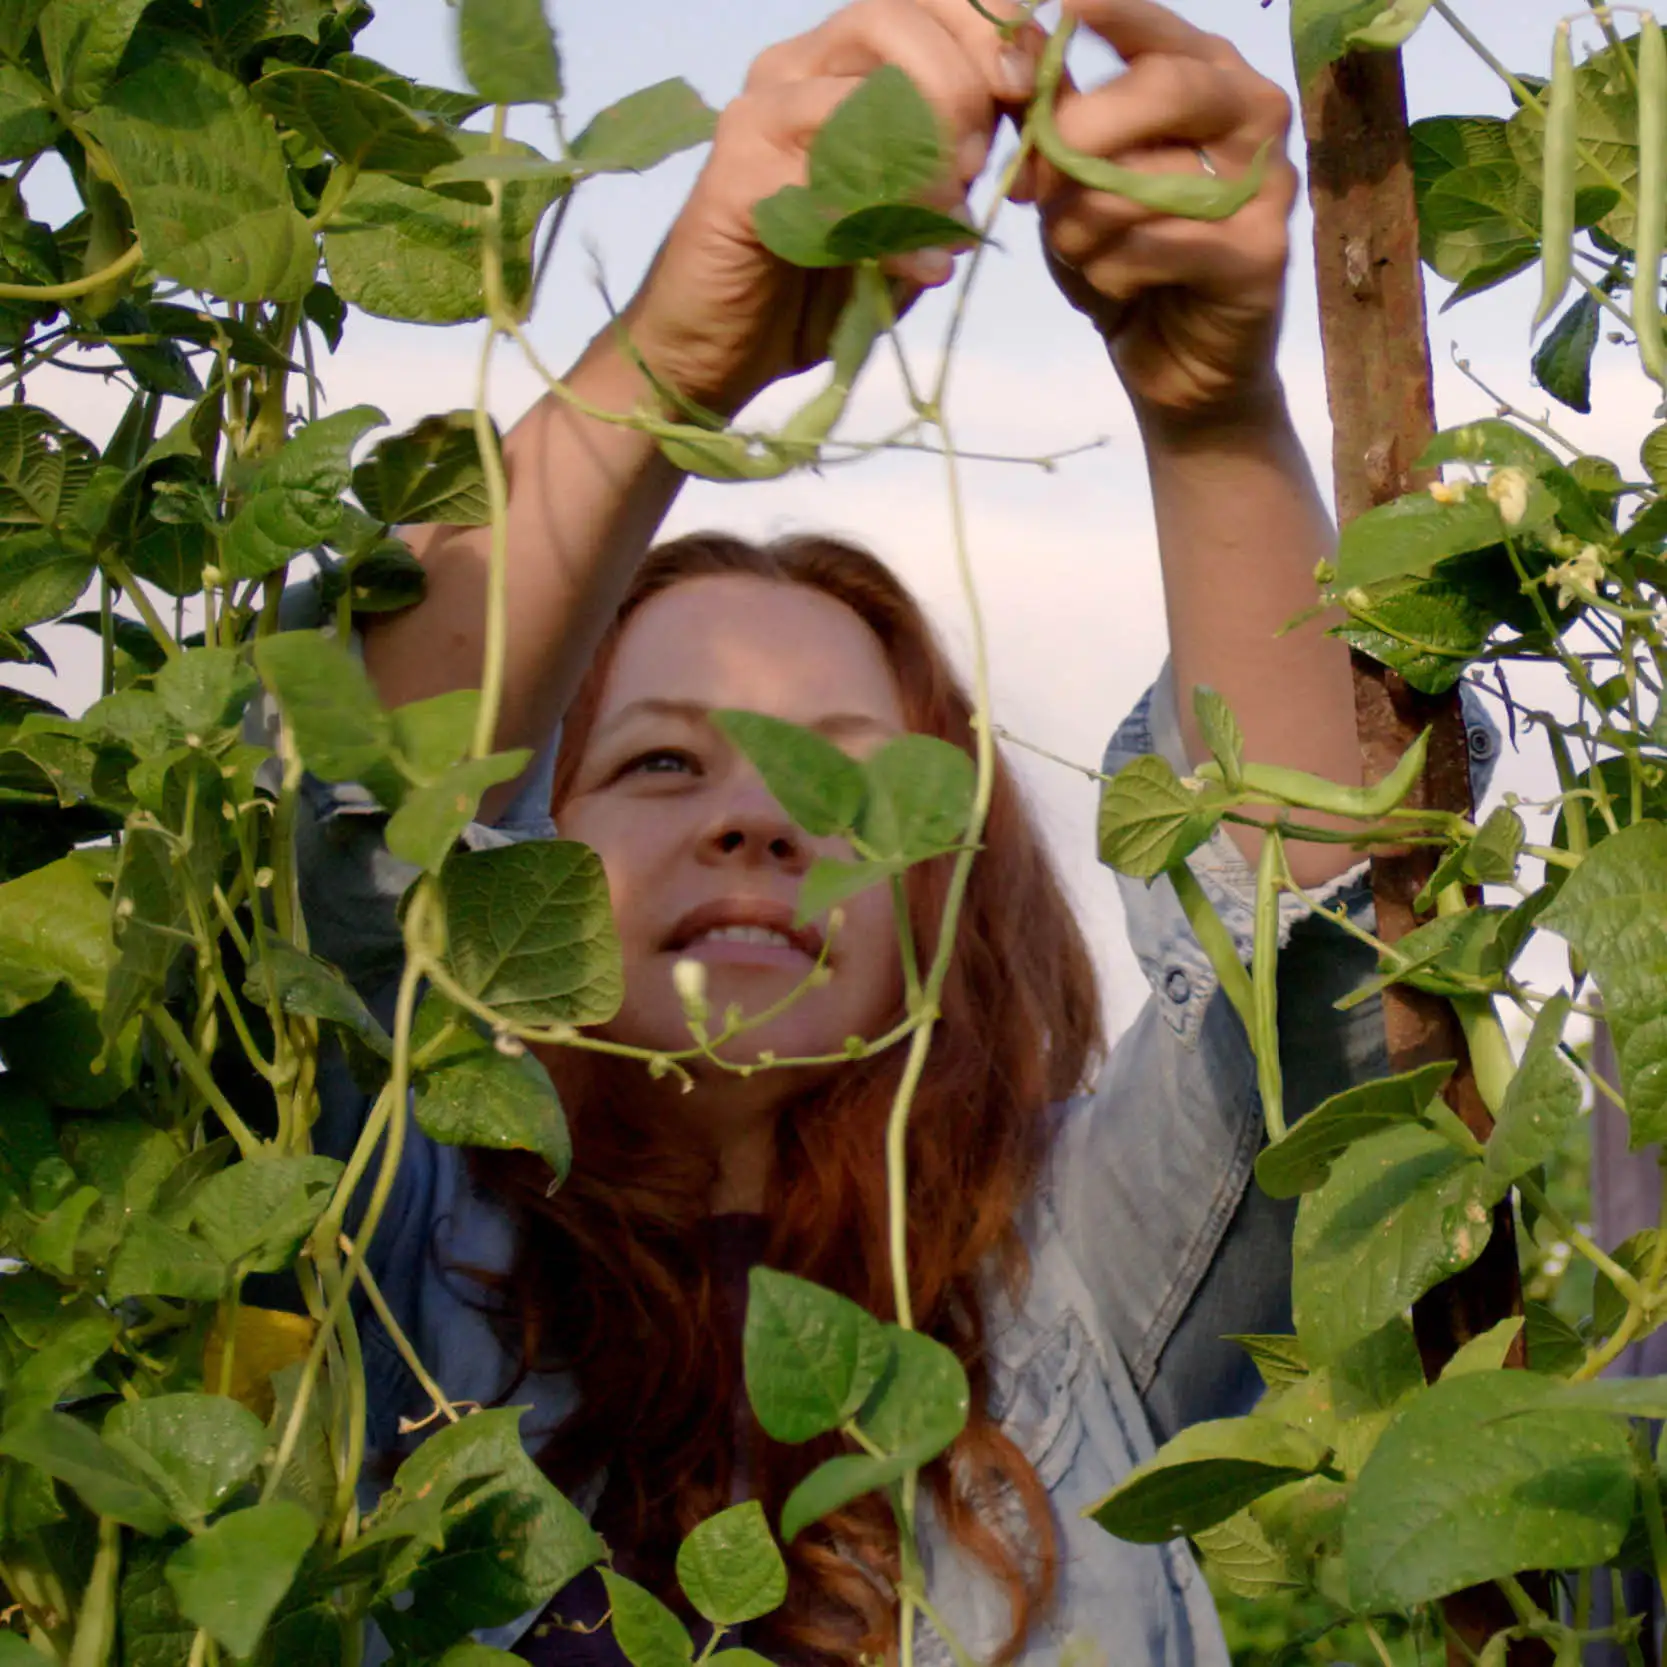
618 1277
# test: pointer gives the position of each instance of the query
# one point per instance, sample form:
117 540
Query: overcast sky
1067 564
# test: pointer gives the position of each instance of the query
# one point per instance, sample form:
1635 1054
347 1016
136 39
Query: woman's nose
757 830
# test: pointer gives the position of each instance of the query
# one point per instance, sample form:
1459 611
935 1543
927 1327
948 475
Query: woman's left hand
1190 309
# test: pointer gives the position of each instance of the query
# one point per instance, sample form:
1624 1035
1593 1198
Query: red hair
614 1279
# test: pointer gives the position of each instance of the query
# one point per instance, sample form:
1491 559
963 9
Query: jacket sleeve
1151 1173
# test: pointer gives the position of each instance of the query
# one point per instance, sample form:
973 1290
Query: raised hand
718 316
1189 308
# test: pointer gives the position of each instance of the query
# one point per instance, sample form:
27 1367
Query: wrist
1252 416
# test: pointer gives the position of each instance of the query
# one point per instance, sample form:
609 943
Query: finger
861 37
1161 98
1136 27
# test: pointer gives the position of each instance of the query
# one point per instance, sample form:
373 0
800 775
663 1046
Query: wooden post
1379 384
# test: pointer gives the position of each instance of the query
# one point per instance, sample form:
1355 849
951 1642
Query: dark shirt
570 1632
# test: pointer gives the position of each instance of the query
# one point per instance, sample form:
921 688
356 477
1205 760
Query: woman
1084 1252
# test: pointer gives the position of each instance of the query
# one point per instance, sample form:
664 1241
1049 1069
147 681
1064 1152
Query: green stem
396 1333
190 1061
123 264
132 590
95 1624
1578 1241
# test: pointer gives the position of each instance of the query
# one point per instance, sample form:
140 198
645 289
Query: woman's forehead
765 645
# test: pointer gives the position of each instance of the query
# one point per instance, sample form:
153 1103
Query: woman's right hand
718 317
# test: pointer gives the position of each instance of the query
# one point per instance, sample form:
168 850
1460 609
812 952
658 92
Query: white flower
1449 491
688 978
1584 571
1508 488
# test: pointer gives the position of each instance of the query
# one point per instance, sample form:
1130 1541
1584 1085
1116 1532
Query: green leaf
432 735
810 1356
793 225
530 932
153 1632
157 1260
1542 1103
205 689
1487 1352
1482 1476
1149 820
207 180
884 229
1554 1346
360 125
882 145
27 122
1492 856
1653 454
1392 27
39 578
294 500
511 1539
1644 1077
647 1632
426 827
509 51
820 787
1411 535
470 1094
308 985
70 1452
485 166
52 1244
192 1449
256 1213
730 1568
1563 361
1634 1254
1221 732
431 472
1279 1360
829 881
1205 1475
1320 30
1613 910
1302 1160
83 42
448 105
1401 1211
232 1575
400 251
54 928
44 467
919 798
918 1408
55 1369
644 128
339 726
1490 441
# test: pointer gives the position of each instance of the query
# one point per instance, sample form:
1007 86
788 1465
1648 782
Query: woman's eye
660 761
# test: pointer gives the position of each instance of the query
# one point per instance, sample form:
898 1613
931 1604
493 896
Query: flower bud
688 978
1508 488
1449 491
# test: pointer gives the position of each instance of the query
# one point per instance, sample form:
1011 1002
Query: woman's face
702 863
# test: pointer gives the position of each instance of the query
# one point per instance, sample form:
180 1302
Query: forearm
1241 525
585 501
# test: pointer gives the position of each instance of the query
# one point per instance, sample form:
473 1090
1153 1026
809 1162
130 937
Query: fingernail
1016 71
970 155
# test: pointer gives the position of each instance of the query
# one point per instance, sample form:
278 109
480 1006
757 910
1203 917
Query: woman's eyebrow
830 724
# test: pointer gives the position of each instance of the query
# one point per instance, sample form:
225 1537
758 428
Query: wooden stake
1379 384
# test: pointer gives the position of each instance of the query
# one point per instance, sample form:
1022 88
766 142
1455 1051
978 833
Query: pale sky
1067 564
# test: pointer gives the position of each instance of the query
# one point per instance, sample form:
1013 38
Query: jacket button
1178 986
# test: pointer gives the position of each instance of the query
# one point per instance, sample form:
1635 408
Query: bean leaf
1205 1475
647 1632
1542 1103
431 472
70 1452
339 726
819 786
810 1356
192 1449
509 51
1149 821
1481 1476
644 128
232 1575
730 1568
530 932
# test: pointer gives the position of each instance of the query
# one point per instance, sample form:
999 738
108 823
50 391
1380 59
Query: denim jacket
1148 1243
